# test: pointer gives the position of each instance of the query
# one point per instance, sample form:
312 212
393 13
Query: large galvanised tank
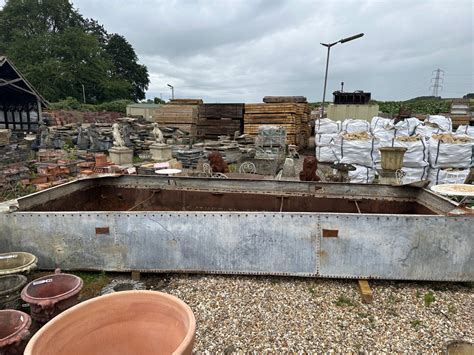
232 226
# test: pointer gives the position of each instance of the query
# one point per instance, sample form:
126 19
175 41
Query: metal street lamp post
172 91
329 45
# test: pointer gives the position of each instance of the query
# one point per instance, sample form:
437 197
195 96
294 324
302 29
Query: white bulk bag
444 123
360 152
362 175
416 155
447 176
449 155
325 148
413 123
390 130
378 123
465 130
351 125
326 126
415 174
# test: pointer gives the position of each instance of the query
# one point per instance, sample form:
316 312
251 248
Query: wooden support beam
365 291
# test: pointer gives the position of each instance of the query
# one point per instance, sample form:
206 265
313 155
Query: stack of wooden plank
183 117
219 120
185 102
294 117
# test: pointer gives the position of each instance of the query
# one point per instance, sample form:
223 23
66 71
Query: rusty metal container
392 157
14 331
10 288
128 322
17 262
52 294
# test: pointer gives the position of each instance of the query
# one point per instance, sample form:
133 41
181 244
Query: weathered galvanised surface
229 226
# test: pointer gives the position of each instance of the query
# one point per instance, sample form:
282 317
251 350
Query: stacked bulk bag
447 176
415 159
326 126
362 175
434 124
326 130
351 125
442 122
356 148
415 174
379 128
450 151
466 130
451 157
416 155
386 129
325 148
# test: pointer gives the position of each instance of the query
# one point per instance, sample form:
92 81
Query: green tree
60 52
125 66
157 100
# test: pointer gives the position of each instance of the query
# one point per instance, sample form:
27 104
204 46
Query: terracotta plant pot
50 295
14 331
17 262
101 160
127 322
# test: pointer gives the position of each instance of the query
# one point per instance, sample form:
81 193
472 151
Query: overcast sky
242 50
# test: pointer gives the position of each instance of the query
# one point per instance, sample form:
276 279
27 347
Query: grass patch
93 283
344 301
429 298
416 324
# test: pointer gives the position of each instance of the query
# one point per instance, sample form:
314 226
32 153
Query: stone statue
117 134
82 138
125 130
45 137
158 134
93 134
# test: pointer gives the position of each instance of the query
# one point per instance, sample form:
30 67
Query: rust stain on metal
330 233
113 198
102 230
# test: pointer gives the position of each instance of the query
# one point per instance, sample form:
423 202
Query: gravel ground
277 314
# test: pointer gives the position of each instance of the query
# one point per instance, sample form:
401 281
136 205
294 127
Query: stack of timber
293 117
460 114
220 120
284 99
183 117
195 102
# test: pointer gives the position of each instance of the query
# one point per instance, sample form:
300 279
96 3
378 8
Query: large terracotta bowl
127 322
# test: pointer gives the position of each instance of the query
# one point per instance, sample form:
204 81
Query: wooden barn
20 103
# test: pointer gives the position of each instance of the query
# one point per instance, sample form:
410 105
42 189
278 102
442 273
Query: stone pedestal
160 152
388 177
121 155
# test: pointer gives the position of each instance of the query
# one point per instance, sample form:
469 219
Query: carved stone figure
117 134
93 134
45 137
125 130
157 133
82 138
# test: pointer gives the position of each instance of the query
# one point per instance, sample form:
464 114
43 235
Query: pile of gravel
239 313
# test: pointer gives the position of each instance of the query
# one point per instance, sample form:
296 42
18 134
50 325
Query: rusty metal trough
162 224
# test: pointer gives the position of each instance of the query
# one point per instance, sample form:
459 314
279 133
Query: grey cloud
242 50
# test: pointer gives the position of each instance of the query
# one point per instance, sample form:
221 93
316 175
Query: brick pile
63 117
